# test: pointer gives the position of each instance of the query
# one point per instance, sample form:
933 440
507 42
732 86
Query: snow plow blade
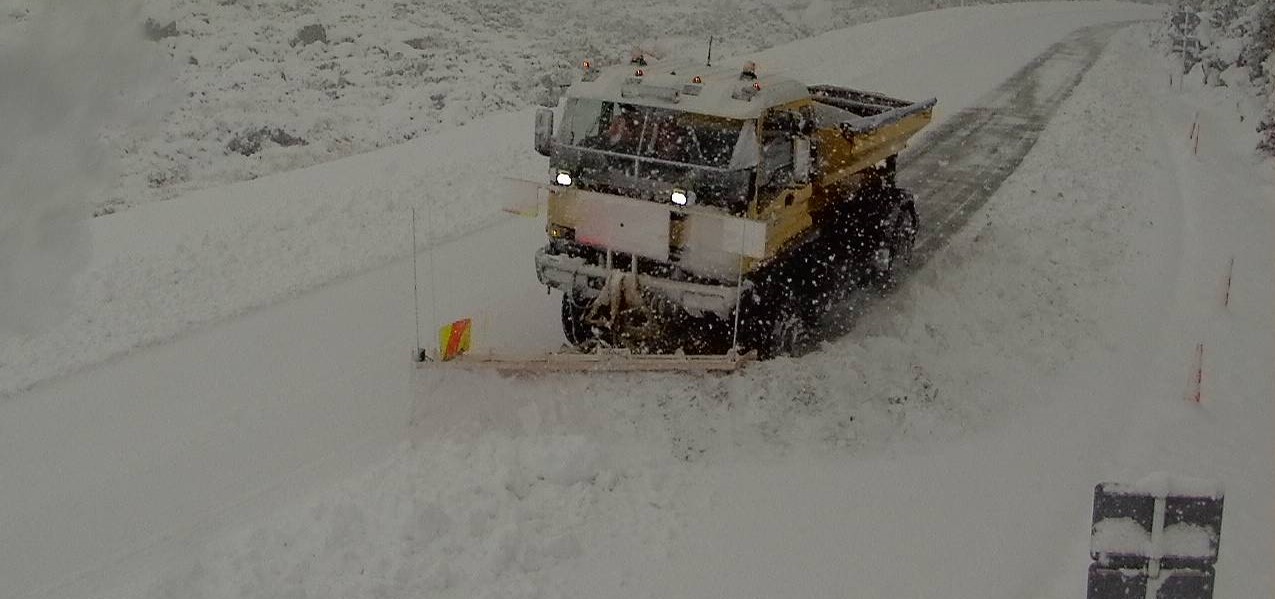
606 361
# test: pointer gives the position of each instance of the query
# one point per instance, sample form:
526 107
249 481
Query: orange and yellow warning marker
453 339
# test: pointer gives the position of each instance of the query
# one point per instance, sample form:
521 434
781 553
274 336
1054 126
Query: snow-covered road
128 468
956 167
159 446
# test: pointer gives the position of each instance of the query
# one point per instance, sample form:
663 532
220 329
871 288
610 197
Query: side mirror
801 160
544 131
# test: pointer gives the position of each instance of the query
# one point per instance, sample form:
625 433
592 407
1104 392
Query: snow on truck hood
716 92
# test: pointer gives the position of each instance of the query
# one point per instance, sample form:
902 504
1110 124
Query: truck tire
898 240
786 332
578 332
789 335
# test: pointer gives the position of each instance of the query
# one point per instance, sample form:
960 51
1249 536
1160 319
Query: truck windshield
651 132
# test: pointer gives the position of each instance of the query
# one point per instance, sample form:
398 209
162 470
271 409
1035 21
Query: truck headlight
679 197
563 179
557 231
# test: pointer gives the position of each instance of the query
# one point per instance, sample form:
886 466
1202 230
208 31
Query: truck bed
867 110
858 129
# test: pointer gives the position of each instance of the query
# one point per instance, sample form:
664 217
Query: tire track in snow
956 168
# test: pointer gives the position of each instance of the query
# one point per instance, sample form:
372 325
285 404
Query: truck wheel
898 243
578 332
787 334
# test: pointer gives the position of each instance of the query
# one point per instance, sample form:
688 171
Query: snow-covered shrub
311 34
1233 41
1261 18
249 142
155 31
1263 69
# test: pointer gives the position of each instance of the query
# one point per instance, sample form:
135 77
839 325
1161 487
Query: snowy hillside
262 86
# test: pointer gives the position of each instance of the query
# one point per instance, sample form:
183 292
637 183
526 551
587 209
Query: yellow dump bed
857 129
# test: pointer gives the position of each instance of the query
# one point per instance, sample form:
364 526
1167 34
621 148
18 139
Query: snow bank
166 268
448 519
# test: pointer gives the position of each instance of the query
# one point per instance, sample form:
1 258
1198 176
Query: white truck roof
722 90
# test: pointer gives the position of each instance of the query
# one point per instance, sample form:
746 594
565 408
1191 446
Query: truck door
779 202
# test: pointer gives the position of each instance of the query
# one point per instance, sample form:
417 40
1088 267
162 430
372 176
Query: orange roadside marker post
1197 391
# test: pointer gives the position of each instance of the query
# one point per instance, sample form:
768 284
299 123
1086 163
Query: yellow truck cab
700 209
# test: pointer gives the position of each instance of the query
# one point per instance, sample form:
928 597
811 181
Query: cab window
776 149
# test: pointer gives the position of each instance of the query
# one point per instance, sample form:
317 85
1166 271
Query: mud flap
1157 539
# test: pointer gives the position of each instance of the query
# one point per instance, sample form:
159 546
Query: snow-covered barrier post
1197 375
1155 539
1230 273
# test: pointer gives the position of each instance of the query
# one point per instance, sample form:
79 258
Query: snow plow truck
698 210
697 215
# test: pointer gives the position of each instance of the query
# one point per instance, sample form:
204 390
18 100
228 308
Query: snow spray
82 68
